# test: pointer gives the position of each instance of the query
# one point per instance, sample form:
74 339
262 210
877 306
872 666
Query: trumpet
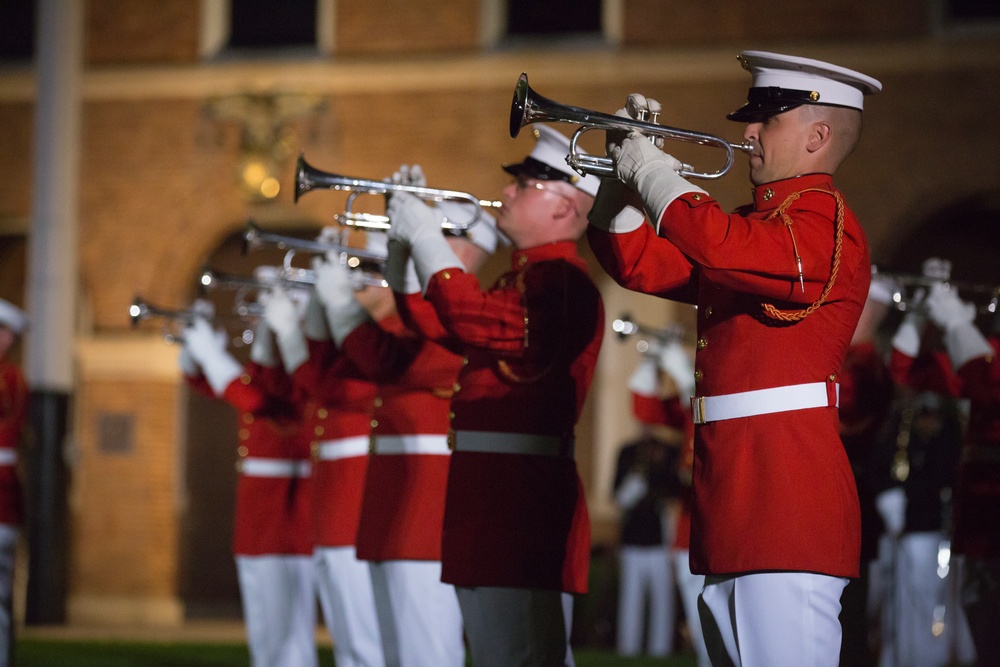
308 178
625 327
141 310
903 283
530 107
177 319
368 264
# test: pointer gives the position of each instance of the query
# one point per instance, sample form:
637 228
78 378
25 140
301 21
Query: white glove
400 273
637 107
956 318
891 506
908 335
675 362
187 363
652 173
208 347
644 380
335 288
631 490
410 175
283 318
946 309
419 226
262 348
611 213
314 324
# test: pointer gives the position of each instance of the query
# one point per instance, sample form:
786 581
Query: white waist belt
512 443
260 467
412 444
331 450
762 402
8 457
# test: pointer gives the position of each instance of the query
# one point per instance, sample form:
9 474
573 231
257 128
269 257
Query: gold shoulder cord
796 315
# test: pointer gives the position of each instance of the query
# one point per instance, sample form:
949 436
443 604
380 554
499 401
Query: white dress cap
783 82
547 162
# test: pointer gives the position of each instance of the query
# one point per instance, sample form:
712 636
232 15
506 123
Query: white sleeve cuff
220 371
610 213
294 351
644 379
907 339
346 319
965 343
659 186
430 256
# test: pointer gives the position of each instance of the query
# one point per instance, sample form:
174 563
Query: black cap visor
532 168
762 103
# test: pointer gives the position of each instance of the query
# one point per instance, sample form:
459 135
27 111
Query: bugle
986 297
369 265
142 309
530 107
625 327
308 178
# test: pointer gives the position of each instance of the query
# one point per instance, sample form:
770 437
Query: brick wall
140 32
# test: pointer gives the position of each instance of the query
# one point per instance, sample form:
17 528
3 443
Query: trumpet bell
529 107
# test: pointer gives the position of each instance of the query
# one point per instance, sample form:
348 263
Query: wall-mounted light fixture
267 138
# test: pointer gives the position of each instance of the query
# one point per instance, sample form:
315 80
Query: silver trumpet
368 265
173 319
530 107
986 297
308 178
625 327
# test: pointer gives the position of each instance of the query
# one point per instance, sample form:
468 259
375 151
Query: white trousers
278 593
923 623
690 585
772 619
345 594
419 618
517 627
8 547
645 575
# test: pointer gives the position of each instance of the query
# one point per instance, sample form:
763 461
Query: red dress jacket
13 412
337 401
772 492
531 344
272 514
402 511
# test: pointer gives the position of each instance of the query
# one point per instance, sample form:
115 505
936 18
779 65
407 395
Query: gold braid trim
796 315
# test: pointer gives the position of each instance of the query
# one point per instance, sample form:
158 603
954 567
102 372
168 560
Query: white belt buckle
698 409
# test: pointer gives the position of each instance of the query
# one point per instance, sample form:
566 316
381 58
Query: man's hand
280 313
334 285
411 220
637 156
947 310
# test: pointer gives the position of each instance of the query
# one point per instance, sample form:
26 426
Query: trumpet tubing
626 327
529 107
986 297
367 263
308 178
141 310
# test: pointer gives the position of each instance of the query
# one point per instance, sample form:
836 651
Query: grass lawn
57 653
